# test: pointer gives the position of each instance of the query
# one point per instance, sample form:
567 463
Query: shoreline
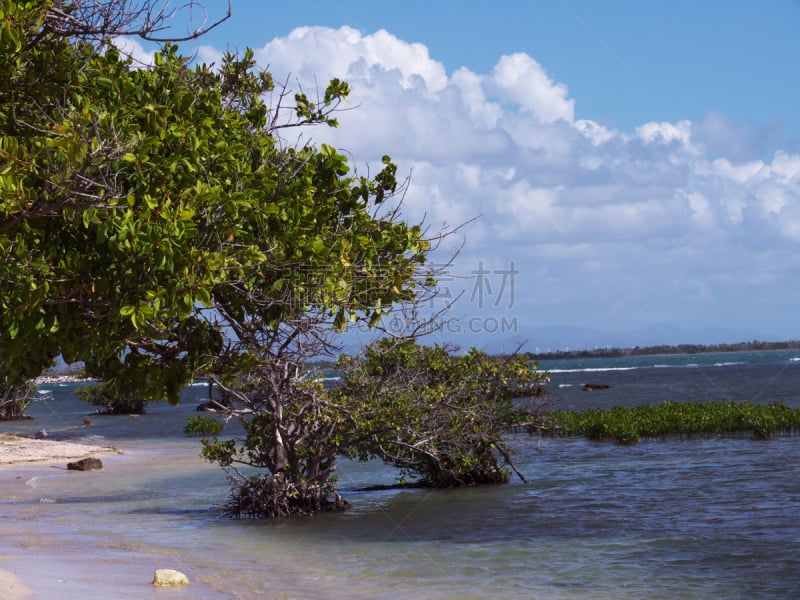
56 379
47 554
16 453
666 350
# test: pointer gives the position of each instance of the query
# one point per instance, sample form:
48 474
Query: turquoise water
712 518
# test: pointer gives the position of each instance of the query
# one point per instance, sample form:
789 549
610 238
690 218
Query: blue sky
635 165
625 62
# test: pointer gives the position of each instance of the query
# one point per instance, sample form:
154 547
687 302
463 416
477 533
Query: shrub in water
103 396
204 426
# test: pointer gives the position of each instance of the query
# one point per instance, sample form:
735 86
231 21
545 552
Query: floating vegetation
673 419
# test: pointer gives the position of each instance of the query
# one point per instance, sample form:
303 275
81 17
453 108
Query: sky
628 172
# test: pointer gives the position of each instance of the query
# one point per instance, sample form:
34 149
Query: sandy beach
15 450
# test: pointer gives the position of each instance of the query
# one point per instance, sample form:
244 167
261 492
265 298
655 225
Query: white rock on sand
11 588
16 449
169 578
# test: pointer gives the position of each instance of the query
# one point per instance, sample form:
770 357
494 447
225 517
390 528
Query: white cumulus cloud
659 220
519 78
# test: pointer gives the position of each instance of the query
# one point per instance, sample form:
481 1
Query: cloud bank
692 224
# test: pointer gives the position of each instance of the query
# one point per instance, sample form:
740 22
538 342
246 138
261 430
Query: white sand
11 588
16 449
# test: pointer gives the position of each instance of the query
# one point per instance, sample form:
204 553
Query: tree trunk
273 496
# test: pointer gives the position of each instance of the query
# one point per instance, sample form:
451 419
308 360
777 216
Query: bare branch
101 20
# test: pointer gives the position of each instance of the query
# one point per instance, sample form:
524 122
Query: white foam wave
693 365
593 370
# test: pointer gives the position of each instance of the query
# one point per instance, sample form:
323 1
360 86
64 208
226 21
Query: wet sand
12 588
16 454
37 566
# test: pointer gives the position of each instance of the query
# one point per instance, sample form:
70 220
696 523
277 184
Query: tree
91 229
438 416
293 432
132 201
351 260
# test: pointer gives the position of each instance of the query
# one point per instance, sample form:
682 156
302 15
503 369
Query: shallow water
710 518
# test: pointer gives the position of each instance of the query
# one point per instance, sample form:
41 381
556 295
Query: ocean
699 518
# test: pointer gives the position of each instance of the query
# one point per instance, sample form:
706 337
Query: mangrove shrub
438 416
109 401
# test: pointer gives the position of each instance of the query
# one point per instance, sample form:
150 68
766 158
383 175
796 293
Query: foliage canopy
133 201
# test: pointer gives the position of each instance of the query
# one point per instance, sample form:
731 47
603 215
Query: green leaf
204 297
340 321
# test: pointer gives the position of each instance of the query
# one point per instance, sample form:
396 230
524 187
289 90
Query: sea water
700 518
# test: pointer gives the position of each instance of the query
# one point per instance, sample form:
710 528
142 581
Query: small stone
169 578
86 464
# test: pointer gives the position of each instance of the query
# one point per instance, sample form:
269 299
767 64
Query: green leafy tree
134 200
350 264
101 252
203 426
439 416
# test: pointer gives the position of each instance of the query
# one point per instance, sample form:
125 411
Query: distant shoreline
56 379
754 346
